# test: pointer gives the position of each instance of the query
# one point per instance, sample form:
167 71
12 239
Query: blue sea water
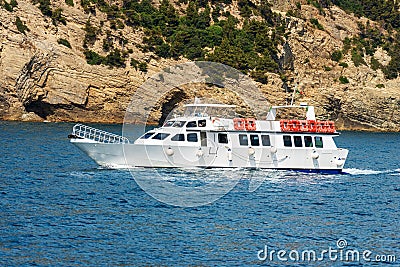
57 208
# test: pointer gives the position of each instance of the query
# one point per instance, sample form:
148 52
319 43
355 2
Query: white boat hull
140 155
197 139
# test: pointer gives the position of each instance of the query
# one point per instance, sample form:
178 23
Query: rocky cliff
42 78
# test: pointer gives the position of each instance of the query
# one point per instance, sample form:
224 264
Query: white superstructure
198 138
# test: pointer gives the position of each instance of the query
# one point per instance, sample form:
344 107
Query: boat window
297 141
265 140
169 123
147 135
222 138
308 141
192 137
318 142
243 140
178 137
254 140
191 124
202 123
287 140
179 124
161 136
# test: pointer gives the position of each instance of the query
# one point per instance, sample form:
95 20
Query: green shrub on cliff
343 80
316 23
134 63
9 6
69 2
64 42
21 27
375 64
93 58
115 59
142 66
357 58
337 55
108 43
246 8
139 65
57 16
90 35
44 6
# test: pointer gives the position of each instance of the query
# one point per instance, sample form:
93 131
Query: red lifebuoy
294 125
285 126
304 127
238 124
325 127
250 124
330 127
320 126
312 126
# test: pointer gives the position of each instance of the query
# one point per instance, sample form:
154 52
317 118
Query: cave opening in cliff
170 102
40 108
44 110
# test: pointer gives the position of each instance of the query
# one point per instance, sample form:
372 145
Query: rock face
44 80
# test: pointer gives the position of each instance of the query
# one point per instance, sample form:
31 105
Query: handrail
97 135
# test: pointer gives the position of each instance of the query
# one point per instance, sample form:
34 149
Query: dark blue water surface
57 208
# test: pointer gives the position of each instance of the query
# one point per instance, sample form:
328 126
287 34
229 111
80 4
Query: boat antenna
294 94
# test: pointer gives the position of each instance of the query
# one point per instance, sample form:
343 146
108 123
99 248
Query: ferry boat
200 138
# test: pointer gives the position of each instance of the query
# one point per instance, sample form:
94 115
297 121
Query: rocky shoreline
43 80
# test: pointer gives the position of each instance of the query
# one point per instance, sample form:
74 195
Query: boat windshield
147 135
169 123
179 124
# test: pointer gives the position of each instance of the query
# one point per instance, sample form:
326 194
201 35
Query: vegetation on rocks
343 79
387 14
64 42
202 30
9 6
202 33
337 55
69 2
316 23
21 27
114 59
46 9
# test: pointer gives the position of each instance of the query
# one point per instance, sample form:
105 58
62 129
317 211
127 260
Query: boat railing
87 132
